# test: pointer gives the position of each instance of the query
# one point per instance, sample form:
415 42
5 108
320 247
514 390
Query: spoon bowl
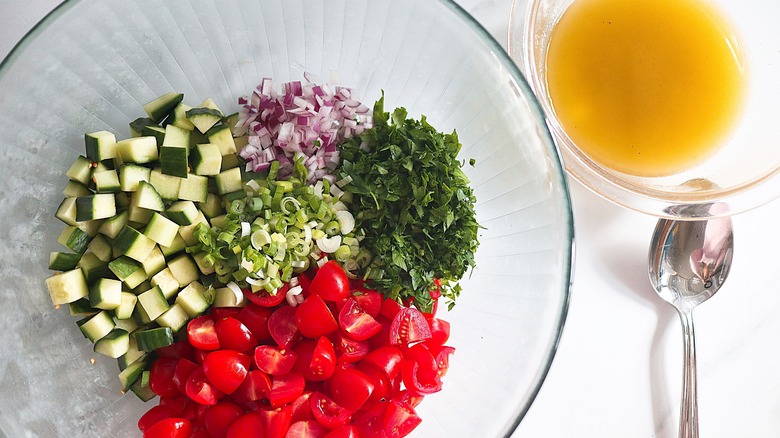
688 263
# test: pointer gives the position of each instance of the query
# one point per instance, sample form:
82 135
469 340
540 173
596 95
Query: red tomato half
356 323
256 386
408 327
314 319
249 425
184 368
440 332
176 350
348 350
263 298
368 300
226 369
306 429
219 417
153 415
200 390
327 412
276 421
387 359
202 334
255 318
161 377
274 361
316 360
350 388
399 419
233 335
369 421
282 327
330 282
286 388
170 428
348 431
223 312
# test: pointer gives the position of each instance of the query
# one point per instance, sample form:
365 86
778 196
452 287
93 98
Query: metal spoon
688 263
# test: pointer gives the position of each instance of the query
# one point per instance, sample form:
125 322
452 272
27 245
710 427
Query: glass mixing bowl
90 65
743 174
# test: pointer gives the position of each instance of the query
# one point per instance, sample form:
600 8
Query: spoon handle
689 411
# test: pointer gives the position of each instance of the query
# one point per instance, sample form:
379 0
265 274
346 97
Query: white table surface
617 369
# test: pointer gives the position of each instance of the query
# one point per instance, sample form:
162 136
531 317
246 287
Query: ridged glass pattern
92 64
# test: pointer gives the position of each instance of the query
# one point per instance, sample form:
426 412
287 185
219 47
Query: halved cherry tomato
306 429
316 360
286 388
382 383
224 312
408 327
256 386
390 308
263 298
421 374
314 319
274 361
177 403
368 300
202 334
200 390
170 428
348 431
399 419
356 323
330 282
348 350
369 421
233 335
249 425
300 409
155 414
440 333
411 398
327 412
226 369
387 359
281 325
443 360
350 388
255 318
276 421
219 417
183 370
176 350
304 281
161 377
420 354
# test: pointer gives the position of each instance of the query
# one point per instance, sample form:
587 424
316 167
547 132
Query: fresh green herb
414 204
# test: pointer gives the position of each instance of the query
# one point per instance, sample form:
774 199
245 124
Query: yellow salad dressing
645 87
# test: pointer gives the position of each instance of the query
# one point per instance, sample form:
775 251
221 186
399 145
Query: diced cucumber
224 297
209 103
127 302
81 307
137 150
179 117
90 228
240 142
147 197
92 267
194 188
204 269
100 145
136 279
131 243
129 375
80 170
154 131
74 239
98 206
204 118
174 152
230 161
153 302
183 269
161 229
221 136
101 247
130 175
206 159
97 326
137 126
212 207
229 181
166 282
152 339
159 108
177 246
187 232
114 344
102 166
63 261
196 138
182 212
141 388
175 318
129 325
122 200
66 212
74 189
140 288
111 227
106 181
154 263
166 185
138 217
67 287
105 294
194 299
218 221
123 267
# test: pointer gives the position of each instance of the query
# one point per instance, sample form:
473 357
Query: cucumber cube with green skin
66 212
184 269
188 232
137 150
224 297
161 229
204 269
204 118
166 185
137 126
137 216
123 267
230 161
90 228
81 307
175 318
67 287
101 247
100 145
97 206
96 326
177 246
136 279
152 339
174 152
179 117
63 261
141 388
182 212
111 227
219 221
106 181
127 324
166 282
147 197
80 170
131 243
133 354
206 159
132 174
106 294
130 375
127 302
114 344
159 108
154 263
92 267
75 239
194 188
221 136
212 207
74 189
154 131
229 181
153 302
193 299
